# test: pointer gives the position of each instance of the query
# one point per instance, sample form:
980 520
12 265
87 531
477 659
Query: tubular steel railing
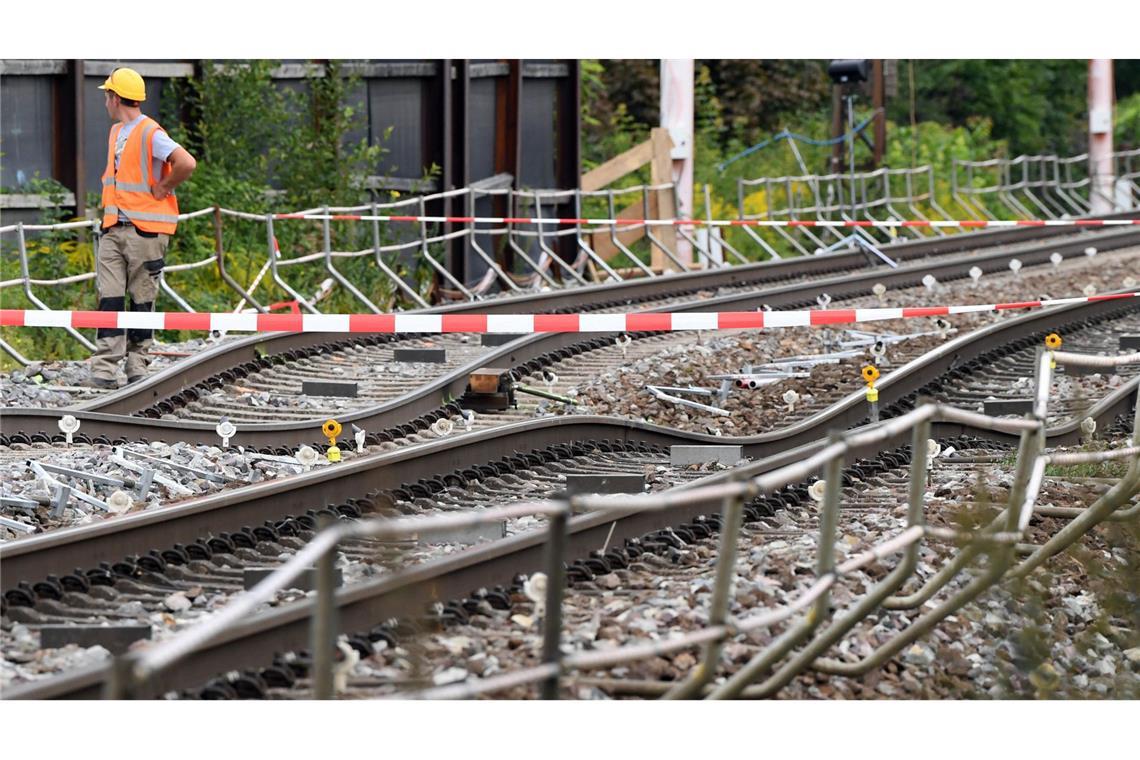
1045 186
813 627
1039 187
524 253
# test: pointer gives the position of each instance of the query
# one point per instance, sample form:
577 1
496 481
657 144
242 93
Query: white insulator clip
225 430
68 425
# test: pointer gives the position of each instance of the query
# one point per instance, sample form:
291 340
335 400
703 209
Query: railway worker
140 213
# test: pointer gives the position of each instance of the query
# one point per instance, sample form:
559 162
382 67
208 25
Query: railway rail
176 547
952 361
173 389
60 552
134 398
369 607
213 568
993 362
634 591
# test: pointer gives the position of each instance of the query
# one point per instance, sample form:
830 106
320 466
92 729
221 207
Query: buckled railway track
178 545
423 470
195 378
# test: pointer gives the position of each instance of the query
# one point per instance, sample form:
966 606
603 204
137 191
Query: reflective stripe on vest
145 154
129 188
147 216
132 187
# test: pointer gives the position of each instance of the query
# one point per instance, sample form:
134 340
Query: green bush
1128 123
51 255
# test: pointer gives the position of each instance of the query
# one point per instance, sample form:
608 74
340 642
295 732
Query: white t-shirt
163 146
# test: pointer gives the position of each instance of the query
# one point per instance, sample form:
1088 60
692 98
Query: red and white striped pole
509 323
1100 136
677 116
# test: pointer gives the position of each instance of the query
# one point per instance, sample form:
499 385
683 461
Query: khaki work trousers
129 264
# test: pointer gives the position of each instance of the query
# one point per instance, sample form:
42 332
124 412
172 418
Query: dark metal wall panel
481 152
13 216
537 125
27 111
96 128
482 114
398 103
97 125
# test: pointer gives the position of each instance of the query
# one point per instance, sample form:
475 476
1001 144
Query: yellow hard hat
126 83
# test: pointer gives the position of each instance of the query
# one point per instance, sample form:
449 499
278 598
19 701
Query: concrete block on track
608 483
470 535
498 339
114 638
427 355
1078 370
329 388
252 576
995 407
686 454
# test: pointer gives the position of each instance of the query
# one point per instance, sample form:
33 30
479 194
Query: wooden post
459 157
657 153
837 150
879 101
617 167
437 132
568 158
508 146
600 241
661 172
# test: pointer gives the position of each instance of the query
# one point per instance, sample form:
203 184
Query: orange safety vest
129 188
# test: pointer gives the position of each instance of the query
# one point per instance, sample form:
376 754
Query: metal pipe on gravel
731 518
556 533
894 580
825 563
1000 557
324 618
1117 496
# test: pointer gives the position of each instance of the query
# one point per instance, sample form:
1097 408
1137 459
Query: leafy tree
755 96
1037 106
1128 122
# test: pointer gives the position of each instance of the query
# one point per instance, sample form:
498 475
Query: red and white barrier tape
841 223
501 323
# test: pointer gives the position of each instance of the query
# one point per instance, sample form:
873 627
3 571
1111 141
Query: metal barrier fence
1028 187
814 632
1045 187
537 264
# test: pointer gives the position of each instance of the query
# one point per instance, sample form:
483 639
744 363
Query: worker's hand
159 191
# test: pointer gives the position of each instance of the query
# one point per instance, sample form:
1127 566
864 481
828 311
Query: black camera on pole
849 70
